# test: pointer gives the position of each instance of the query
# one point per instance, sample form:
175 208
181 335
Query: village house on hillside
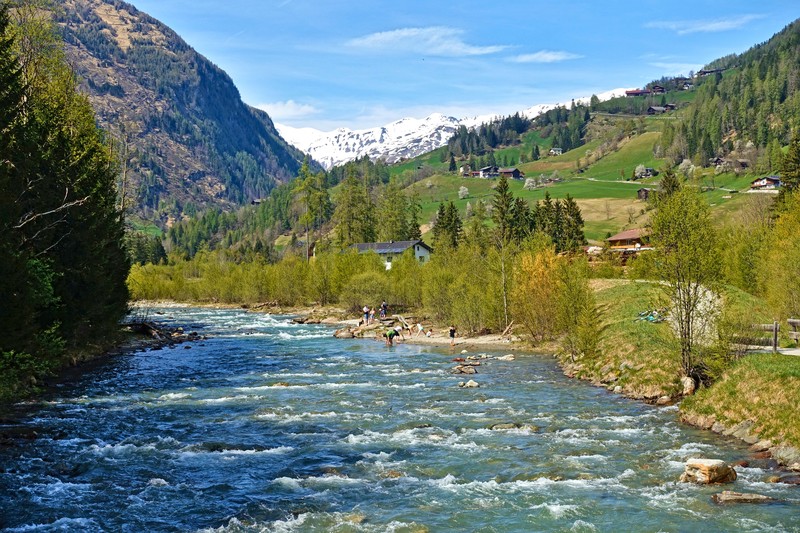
767 183
513 173
393 249
489 172
556 151
644 193
628 241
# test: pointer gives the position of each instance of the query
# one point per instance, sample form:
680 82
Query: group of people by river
396 332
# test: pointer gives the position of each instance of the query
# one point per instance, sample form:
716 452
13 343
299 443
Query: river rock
728 496
786 455
664 400
507 357
469 385
464 369
344 333
761 446
706 471
617 389
789 479
688 385
506 425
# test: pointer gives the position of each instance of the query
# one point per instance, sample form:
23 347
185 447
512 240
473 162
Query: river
275 426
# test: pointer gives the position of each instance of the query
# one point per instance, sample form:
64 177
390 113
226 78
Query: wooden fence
754 338
794 323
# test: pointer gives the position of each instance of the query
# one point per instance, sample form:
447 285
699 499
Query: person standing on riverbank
452 335
365 310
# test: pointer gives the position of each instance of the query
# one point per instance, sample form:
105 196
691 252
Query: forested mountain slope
179 122
747 103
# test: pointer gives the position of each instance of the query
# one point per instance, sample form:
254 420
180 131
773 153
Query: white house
767 183
556 151
393 249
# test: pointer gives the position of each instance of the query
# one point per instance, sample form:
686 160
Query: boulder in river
507 357
464 369
728 496
505 425
469 385
344 333
707 471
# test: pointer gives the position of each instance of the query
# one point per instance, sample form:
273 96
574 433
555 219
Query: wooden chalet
513 173
767 183
628 241
644 193
656 110
638 92
489 172
658 89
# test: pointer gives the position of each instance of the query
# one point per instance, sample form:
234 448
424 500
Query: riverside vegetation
62 262
498 259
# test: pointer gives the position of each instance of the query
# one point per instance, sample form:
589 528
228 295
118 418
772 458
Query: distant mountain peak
402 139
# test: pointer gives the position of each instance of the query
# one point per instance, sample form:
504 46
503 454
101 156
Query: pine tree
573 223
790 167
354 214
502 206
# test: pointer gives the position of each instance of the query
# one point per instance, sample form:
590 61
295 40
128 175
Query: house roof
627 235
510 169
391 247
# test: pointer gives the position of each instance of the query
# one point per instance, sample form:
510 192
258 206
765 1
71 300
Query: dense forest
62 262
748 106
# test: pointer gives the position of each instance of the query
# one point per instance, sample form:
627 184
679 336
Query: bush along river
274 426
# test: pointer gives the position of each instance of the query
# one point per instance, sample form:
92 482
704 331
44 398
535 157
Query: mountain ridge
188 140
402 139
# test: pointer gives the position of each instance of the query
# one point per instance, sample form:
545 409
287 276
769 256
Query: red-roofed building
628 241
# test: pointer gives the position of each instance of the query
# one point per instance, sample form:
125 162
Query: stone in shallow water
706 471
728 496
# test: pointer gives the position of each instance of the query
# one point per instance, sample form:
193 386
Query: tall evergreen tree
790 167
354 214
502 207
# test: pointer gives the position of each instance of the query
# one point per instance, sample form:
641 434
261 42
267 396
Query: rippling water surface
273 426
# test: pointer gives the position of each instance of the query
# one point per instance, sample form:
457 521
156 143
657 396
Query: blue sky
358 63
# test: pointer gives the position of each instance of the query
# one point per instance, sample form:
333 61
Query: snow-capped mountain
405 138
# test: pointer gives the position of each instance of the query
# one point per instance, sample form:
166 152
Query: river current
274 426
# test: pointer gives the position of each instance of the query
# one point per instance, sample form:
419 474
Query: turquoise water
274 426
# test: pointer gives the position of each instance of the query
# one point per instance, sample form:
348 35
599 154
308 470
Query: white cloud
545 56
684 27
434 41
288 110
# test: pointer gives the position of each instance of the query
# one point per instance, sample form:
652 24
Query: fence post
775 328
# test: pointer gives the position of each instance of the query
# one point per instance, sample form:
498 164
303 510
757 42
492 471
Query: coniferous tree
354 214
502 209
790 167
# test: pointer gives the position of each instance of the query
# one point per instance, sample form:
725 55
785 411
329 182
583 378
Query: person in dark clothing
452 335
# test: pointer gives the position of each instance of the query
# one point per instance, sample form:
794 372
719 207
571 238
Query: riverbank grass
764 388
633 353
